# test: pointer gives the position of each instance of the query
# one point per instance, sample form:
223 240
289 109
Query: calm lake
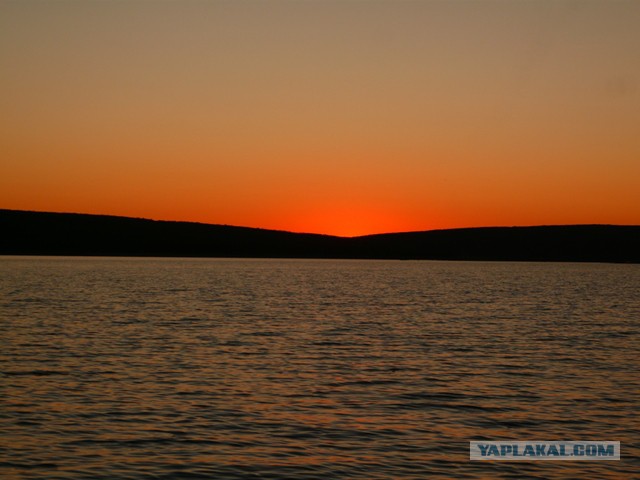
131 368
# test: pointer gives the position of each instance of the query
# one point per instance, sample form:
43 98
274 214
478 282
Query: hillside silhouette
43 233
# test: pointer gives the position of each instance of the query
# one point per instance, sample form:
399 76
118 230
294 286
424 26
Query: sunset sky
340 117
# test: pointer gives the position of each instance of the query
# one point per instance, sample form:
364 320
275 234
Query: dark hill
40 233
570 243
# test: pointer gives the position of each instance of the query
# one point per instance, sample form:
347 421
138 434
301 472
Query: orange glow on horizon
350 221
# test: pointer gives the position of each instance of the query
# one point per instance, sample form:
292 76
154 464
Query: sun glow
352 221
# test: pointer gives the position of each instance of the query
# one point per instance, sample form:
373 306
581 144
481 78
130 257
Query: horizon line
315 233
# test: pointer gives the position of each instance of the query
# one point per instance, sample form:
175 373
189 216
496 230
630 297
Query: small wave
37 373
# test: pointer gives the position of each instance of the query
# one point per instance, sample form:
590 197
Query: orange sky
333 117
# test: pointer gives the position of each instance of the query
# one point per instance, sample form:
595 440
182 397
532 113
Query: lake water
129 368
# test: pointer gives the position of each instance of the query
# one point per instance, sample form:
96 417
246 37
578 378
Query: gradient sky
346 117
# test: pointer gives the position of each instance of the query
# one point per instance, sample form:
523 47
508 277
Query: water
222 369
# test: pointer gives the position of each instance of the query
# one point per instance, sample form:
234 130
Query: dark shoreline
70 234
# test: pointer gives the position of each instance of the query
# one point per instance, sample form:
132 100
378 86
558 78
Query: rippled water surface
222 369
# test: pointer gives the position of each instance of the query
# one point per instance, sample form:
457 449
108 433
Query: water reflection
134 368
